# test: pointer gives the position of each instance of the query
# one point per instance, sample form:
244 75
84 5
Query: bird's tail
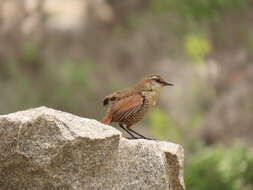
107 119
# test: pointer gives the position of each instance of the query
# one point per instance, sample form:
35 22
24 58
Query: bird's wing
127 106
116 96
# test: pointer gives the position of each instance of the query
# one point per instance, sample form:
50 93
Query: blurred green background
69 54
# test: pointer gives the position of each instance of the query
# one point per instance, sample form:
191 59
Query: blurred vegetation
162 127
217 167
198 10
205 47
62 87
250 43
197 47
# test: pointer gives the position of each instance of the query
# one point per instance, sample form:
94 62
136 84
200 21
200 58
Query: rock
46 149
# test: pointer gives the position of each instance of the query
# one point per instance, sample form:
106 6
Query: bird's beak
167 84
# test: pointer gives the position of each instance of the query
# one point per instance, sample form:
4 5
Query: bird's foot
146 138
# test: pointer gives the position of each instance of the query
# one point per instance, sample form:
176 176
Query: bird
128 106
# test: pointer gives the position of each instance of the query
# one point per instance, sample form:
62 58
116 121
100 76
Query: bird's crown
152 81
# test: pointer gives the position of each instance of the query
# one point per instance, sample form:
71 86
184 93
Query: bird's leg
133 137
138 134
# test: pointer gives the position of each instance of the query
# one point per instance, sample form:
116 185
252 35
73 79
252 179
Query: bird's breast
151 97
148 102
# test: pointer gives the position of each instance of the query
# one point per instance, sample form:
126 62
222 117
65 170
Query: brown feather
125 107
130 105
107 119
116 96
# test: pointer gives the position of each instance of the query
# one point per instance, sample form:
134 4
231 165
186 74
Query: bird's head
152 83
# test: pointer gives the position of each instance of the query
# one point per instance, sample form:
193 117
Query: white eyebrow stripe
154 77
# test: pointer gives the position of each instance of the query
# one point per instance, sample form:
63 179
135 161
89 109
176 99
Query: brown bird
129 106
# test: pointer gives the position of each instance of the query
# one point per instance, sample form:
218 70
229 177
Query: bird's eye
158 80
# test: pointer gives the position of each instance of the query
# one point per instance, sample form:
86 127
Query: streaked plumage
129 106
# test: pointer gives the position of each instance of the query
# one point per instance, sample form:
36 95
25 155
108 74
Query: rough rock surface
45 149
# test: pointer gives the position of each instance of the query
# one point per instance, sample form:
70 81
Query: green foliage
163 127
197 9
220 168
68 83
197 111
61 85
196 47
250 43
209 9
119 32
17 88
30 52
76 73
161 6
